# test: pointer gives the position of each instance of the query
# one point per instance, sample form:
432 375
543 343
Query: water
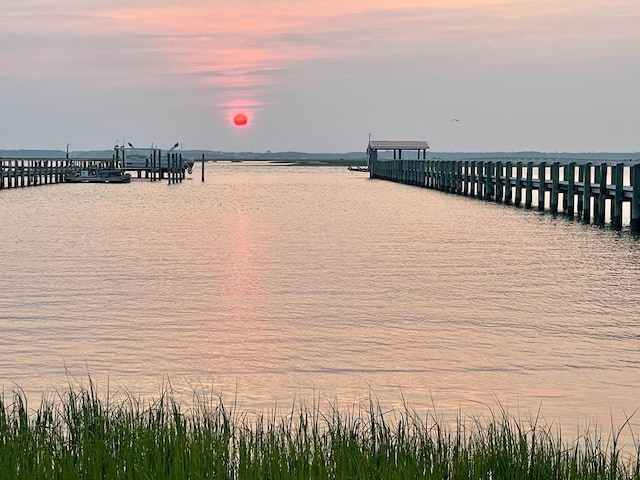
270 285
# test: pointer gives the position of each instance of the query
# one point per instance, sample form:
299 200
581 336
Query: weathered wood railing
575 189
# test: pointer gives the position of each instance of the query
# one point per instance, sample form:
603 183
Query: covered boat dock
397 147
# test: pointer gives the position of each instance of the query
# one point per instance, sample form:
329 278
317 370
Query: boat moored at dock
97 175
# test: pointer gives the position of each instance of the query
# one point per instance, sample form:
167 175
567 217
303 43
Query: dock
20 172
580 190
151 164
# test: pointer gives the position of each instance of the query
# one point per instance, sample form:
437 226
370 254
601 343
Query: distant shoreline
337 159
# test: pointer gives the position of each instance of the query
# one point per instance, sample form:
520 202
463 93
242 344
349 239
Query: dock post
160 171
586 194
480 190
465 181
499 190
529 186
542 185
456 176
1 174
427 173
580 197
599 207
616 219
202 172
518 200
571 179
473 182
635 200
488 186
448 165
563 187
434 173
508 197
447 175
555 183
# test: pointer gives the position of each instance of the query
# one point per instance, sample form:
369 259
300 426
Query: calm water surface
269 284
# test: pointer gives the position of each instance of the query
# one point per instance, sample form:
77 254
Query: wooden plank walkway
582 190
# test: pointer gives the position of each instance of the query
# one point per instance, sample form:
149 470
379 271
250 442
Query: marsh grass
78 435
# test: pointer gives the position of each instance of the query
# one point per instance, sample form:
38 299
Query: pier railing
592 192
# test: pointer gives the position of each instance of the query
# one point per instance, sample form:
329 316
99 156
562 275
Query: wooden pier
29 172
589 192
17 173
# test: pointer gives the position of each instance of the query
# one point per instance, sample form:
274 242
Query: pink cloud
245 46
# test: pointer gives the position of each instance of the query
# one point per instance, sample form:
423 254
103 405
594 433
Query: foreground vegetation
80 436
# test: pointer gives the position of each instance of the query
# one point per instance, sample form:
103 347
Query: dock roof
398 145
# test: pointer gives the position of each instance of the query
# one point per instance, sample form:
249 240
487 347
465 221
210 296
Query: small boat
97 175
358 169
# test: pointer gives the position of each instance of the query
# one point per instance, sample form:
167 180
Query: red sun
240 120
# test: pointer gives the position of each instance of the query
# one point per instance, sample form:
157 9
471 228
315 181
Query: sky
321 75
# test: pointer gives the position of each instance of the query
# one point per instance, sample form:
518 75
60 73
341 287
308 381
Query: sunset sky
321 75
